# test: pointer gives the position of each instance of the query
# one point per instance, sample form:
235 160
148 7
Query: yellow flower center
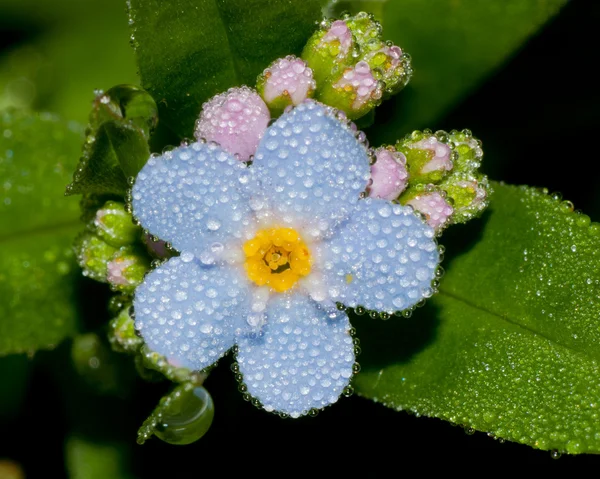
276 257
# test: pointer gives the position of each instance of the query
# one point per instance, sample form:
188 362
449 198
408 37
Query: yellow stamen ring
276 257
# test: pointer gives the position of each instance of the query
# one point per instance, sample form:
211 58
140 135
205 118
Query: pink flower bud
440 160
388 174
434 206
339 33
236 120
288 80
359 82
116 271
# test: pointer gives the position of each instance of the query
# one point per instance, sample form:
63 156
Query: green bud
115 225
468 151
353 67
469 194
127 268
122 335
330 50
428 156
93 255
182 417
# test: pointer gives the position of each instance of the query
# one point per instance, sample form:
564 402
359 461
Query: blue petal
312 168
303 359
194 196
191 314
384 258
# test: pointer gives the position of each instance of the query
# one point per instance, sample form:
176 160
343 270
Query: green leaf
189 51
93 459
37 226
511 343
116 146
116 152
67 53
454 46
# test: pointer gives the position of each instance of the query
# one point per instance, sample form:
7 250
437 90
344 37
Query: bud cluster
437 174
110 250
353 67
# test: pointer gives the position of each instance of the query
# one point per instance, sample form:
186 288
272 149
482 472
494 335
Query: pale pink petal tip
236 120
388 174
288 77
339 32
115 271
441 160
434 206
360 79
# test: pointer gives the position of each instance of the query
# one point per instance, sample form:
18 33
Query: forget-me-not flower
268 250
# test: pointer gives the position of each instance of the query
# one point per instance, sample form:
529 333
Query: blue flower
266 252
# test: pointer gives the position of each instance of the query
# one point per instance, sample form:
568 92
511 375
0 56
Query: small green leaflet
511 343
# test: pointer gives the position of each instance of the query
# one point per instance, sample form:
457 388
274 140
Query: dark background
537 118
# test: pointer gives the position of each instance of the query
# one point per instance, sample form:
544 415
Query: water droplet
186 418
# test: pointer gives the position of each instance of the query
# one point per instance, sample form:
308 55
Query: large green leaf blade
454 46
510 345
187 51
37 226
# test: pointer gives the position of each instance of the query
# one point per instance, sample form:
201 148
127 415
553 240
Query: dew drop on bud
186 418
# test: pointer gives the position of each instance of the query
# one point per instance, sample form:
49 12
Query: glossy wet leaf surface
189 51
510 344
37 225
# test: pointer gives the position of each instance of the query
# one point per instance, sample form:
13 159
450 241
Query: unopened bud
114 225
287 81
433 206
469 196
353 66
93 255
126 269
355 92
428 158
468 151
122 335
236 120
388 174
329 49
